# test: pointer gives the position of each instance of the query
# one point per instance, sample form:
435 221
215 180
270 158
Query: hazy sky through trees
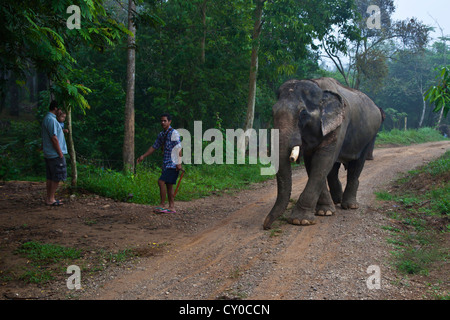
426 11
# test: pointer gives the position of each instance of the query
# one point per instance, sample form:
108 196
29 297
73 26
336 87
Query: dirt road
216 248
234 258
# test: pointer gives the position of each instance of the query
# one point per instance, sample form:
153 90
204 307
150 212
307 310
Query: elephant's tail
383 114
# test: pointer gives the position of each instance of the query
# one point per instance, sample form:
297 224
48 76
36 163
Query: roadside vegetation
44 260
418 207
411 136
47 262
141 187
103 178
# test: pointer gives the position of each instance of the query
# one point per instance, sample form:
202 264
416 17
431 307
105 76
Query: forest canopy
199 59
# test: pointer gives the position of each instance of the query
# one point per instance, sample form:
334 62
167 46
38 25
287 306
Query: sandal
57 203
160 210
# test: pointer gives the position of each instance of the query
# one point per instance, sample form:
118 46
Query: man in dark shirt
169 141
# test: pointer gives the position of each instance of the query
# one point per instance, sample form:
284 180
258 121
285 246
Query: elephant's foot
325 210
337 198
324 213
349 205
303 222
302 218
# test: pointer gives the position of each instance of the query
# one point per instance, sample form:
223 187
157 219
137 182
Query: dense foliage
193 60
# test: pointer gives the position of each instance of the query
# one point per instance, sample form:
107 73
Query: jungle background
219 62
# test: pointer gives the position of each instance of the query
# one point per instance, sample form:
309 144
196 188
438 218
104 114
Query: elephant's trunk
284 184
284 175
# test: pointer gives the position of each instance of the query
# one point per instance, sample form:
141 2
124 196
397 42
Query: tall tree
410 76
203 6
14 95
444 39
363 56
284 36
36 36
254 65
250 116
129 127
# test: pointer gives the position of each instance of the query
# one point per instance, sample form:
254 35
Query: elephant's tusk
294 154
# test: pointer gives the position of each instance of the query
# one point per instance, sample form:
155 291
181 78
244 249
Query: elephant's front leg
325 205
318 166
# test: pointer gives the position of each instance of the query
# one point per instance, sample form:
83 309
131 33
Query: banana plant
439 94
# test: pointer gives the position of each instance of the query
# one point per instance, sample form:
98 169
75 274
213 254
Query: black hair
167 115
53 105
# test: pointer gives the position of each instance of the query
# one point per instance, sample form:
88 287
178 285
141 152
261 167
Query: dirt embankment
215 247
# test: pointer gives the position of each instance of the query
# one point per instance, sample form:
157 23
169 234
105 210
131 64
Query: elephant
331 125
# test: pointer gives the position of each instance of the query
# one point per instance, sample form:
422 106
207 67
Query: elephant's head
304 114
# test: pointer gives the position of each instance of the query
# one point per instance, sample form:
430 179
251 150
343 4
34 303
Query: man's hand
57 147
140 159
149 152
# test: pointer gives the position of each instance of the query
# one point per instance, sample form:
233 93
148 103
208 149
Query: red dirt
212 248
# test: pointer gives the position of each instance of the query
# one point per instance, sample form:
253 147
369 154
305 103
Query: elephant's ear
332 112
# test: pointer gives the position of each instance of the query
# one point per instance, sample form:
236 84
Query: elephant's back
356 101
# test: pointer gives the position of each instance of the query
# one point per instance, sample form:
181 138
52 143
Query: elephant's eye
303 113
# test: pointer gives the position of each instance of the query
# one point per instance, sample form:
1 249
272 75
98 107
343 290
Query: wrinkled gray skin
334 125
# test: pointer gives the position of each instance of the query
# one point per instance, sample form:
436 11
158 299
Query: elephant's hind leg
354 170
334 183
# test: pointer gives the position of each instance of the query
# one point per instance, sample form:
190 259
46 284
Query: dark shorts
56 169
169 176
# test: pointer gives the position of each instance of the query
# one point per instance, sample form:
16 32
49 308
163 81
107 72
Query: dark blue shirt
169 140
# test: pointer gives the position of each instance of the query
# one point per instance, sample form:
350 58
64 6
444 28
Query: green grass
408 137
121 256
37 274
46 262
420 217
46 252
43 255
384 196
198 181
440 200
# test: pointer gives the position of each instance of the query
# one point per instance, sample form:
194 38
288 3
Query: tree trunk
13 96
440 117
71 148
254 66
203 40
42 85
422 117
253 72
3 87
31 82
128 143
